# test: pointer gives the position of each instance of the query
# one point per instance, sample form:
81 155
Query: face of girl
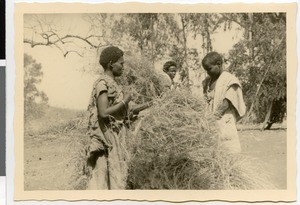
117 67
172 71
213 71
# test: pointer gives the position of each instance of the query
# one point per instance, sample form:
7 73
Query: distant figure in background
170 68
225 98
108 109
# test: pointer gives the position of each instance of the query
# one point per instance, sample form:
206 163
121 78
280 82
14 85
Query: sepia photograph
155 101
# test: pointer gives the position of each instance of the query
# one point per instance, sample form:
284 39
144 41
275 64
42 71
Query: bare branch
93 36
49 42
68 52
234 20
65 53
33 43
63 40
81 38
59 48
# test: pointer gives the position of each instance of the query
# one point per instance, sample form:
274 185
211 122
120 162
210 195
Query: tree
260 62
198 27
49 30
151 33
156 36
34 99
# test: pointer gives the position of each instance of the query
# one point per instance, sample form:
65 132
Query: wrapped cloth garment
165 80
106 152
227 87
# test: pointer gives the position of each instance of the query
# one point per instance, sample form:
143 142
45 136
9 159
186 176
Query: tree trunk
268 115
207 34
256 94
268 127
183 23
152 41
259 86
250 37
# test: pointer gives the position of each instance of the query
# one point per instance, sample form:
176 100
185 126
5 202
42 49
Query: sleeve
165 80
235 95
100 88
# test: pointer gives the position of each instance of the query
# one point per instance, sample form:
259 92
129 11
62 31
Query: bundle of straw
141 79
176 147
76 141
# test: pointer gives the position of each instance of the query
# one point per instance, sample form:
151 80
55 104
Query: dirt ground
46 166
44 163
268 146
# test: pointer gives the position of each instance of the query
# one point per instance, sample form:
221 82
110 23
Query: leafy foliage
260 61
157 36
34 99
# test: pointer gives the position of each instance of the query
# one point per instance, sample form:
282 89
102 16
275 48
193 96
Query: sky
64 80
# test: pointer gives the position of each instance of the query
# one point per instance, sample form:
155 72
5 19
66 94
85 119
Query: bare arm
140 108
222 108
116 110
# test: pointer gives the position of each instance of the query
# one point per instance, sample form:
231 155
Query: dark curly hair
212 58
168 64
110 55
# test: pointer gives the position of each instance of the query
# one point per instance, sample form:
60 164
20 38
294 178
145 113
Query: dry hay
76 140
141 79
176 148
239 172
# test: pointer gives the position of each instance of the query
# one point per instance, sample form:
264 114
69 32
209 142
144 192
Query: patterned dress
106 152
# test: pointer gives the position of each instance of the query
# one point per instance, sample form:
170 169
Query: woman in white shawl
225 98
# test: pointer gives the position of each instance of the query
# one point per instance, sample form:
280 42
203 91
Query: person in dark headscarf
108 110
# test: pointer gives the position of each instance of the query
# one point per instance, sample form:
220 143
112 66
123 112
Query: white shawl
228 87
